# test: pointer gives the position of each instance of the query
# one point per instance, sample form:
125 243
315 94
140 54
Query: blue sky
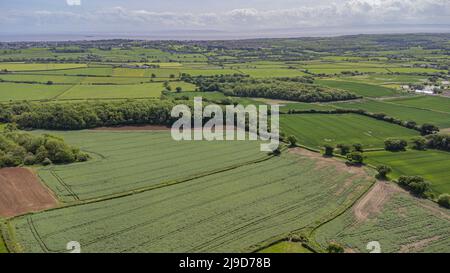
139 16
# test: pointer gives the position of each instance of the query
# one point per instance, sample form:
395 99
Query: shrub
335 248
329 150
428 129
395 145
46 162
292 141
358 147
383 171
444 200
355 158
415 184
345 149
418 143
29 160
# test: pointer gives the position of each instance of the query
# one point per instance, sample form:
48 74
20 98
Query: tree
415 184
179 89
395 145
153 75
358 147
444 200
383 171
418 143
329 150
335 248
345 149
292 140
428 129
355 158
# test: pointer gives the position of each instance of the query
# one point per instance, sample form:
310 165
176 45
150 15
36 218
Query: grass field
403 112
286 247
272 72
362 89
148 90
38 66
232 211
315 130
18 91
431 164
399 222
125 161
438 104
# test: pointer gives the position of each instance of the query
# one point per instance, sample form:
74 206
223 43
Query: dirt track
372 203
21 191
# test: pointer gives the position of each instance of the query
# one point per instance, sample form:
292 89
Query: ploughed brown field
21 191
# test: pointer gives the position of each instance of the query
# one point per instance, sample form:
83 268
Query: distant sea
229 35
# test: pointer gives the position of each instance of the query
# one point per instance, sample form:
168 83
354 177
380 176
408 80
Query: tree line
296 89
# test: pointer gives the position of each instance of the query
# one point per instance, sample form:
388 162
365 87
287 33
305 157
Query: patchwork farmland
113 179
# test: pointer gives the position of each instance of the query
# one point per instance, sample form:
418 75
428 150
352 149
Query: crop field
234 211
18 91
286 247
362 89
403 112
272 72
387 79
438 104
38 66
430 164
315 130
148 90
126 161
398 221
88 71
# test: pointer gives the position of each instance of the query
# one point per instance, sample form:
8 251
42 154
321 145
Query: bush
358 147
395 145
355 158
383 171
329 150
46 162
345 149
292 141
335 248
428 129
444 200
415 184
418 143
29 160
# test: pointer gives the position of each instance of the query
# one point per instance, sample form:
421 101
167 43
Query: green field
124 161
272 72
232 211
315 130
362 89
438 104
18 91
402 112
433 165
286 247
38 66
402 224
148 90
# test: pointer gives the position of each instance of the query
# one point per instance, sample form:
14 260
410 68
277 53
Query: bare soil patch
372 203
445 130
329 161
134 128
21 191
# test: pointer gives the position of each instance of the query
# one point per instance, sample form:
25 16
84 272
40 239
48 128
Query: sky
142 17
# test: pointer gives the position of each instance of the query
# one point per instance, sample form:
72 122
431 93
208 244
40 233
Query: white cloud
73 2
336 13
